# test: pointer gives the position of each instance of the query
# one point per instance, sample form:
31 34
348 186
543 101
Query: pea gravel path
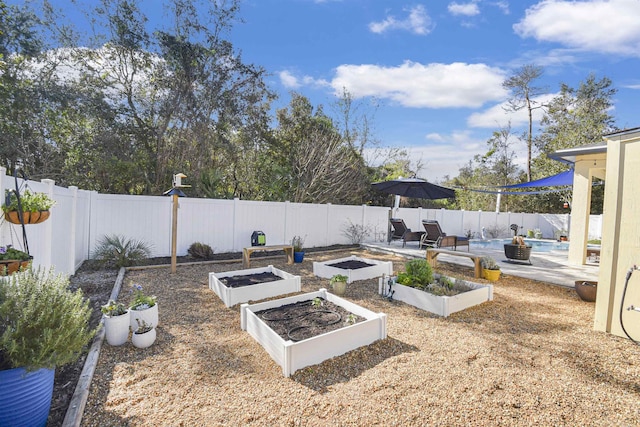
530 357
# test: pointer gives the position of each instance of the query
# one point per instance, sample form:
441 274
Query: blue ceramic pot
25 397
298 256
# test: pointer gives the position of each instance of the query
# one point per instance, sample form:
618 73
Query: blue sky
435 68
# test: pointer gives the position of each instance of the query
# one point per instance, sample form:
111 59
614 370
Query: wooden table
246 253
432 254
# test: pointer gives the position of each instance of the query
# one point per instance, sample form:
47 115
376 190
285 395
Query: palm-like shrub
42 323
120 251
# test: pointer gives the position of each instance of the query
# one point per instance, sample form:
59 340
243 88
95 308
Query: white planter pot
377 269
440 305
116 328
143 340
291 355
232 296
149 315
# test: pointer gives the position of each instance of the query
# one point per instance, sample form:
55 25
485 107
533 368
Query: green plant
29 202
338 278
317 302
143 327
489 263
351 319
420 269
42 323
7 252
200 251
447 287
298 243
141 301
113 309
120 251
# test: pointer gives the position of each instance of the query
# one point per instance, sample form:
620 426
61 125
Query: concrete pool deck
550 267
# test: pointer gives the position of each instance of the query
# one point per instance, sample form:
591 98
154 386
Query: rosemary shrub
42 323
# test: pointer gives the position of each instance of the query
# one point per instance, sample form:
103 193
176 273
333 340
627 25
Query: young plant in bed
419 275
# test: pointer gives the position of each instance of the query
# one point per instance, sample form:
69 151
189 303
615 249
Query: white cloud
497 116
502 5
597 25
288 80
636 86
452 152
435 137
424 86
418 22
466 9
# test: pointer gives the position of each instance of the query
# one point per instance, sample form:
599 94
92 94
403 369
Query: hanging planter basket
29 217
10 266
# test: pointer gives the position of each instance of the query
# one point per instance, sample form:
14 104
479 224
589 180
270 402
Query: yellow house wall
585 169
620 248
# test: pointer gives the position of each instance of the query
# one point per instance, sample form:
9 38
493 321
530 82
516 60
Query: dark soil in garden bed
249 279
307 319
351 265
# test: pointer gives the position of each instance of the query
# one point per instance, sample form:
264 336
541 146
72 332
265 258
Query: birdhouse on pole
175 192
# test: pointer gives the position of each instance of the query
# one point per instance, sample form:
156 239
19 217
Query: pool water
537 244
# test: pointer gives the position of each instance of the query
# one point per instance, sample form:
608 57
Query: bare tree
522 94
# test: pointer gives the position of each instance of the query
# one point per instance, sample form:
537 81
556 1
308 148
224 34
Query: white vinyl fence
80 218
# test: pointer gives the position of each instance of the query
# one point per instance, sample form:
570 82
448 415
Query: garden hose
631 307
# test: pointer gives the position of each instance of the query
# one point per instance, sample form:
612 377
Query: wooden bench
432 254
246 253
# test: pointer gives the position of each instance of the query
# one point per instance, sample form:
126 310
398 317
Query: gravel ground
530 357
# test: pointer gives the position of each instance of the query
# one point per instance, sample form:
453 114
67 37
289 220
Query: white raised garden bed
232 296
440 305
292 356
377 269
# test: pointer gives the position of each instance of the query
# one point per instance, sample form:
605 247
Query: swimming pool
537 244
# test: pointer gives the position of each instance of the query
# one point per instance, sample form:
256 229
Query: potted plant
339 284
143 308
31 208
12 260
144 335
43 325
490 268
116 322
298 248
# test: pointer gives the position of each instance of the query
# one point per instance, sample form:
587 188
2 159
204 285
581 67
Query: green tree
576 117
312 161
522 96
497 167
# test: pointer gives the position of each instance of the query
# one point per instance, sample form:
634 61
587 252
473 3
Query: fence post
326 230
93 222
235 222
285 237
48 230
73 229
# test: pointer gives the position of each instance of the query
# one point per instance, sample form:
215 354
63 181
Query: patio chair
402 232
436 238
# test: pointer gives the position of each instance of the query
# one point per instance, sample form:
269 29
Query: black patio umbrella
414 187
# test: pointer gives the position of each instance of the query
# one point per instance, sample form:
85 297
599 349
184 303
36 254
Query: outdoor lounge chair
436 238
401 232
